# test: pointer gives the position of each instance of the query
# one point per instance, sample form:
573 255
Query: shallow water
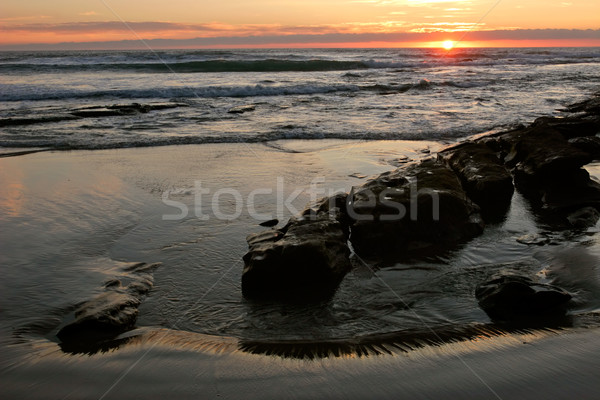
69 218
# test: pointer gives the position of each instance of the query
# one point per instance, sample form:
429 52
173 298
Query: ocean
210 96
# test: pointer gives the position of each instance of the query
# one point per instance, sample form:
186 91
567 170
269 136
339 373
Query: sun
448 44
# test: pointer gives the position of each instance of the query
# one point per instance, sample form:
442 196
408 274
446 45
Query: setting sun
448 44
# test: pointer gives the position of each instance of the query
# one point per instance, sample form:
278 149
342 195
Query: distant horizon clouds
108 24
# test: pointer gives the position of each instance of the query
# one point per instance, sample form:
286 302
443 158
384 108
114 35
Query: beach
71 220
129 186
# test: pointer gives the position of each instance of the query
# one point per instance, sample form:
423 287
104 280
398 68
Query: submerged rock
112 312
534 239
413 209
304 261
122 109
513 297
242 109
485 179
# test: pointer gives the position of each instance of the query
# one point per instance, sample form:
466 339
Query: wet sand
184 365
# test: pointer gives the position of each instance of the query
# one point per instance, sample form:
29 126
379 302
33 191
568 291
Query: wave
16 93
267 65
10 92
60 142
145 65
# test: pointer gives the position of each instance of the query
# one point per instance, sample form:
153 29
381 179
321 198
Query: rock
533 239
105 316
122 109
39 119
112 312
570 127
485 179
304 261
590 106
269 223
133 108
335 206
513 297
111 111
589 144
584 218
547 171
570 191
556 197
421 207
541 151
241 109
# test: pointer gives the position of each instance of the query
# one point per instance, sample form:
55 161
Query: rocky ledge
437 204
305 260
111 312
514 297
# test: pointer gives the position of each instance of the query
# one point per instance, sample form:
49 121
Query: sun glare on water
448 44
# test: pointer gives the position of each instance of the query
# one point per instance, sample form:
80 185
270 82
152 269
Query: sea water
366 94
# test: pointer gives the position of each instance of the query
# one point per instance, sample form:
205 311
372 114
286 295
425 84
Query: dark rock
556 197
547 171
241 109
590 106
337 201
112 312
584 218
15 121
570 191
589 144
269 223
111 111
513 297
103 317
421 207
335 206
570 127
133 108
541 151
485 179
304 261
122 109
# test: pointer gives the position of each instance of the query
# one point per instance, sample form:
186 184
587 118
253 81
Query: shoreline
81 210
514 366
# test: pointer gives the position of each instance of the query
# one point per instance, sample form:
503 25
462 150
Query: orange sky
300 23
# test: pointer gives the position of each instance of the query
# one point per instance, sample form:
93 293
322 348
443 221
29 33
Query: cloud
28 17
88 13
104 26
324 38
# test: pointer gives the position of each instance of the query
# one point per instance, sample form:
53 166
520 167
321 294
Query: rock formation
422 208
514 297
110 313
303 261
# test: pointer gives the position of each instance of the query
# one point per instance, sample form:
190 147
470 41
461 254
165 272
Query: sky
120 24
